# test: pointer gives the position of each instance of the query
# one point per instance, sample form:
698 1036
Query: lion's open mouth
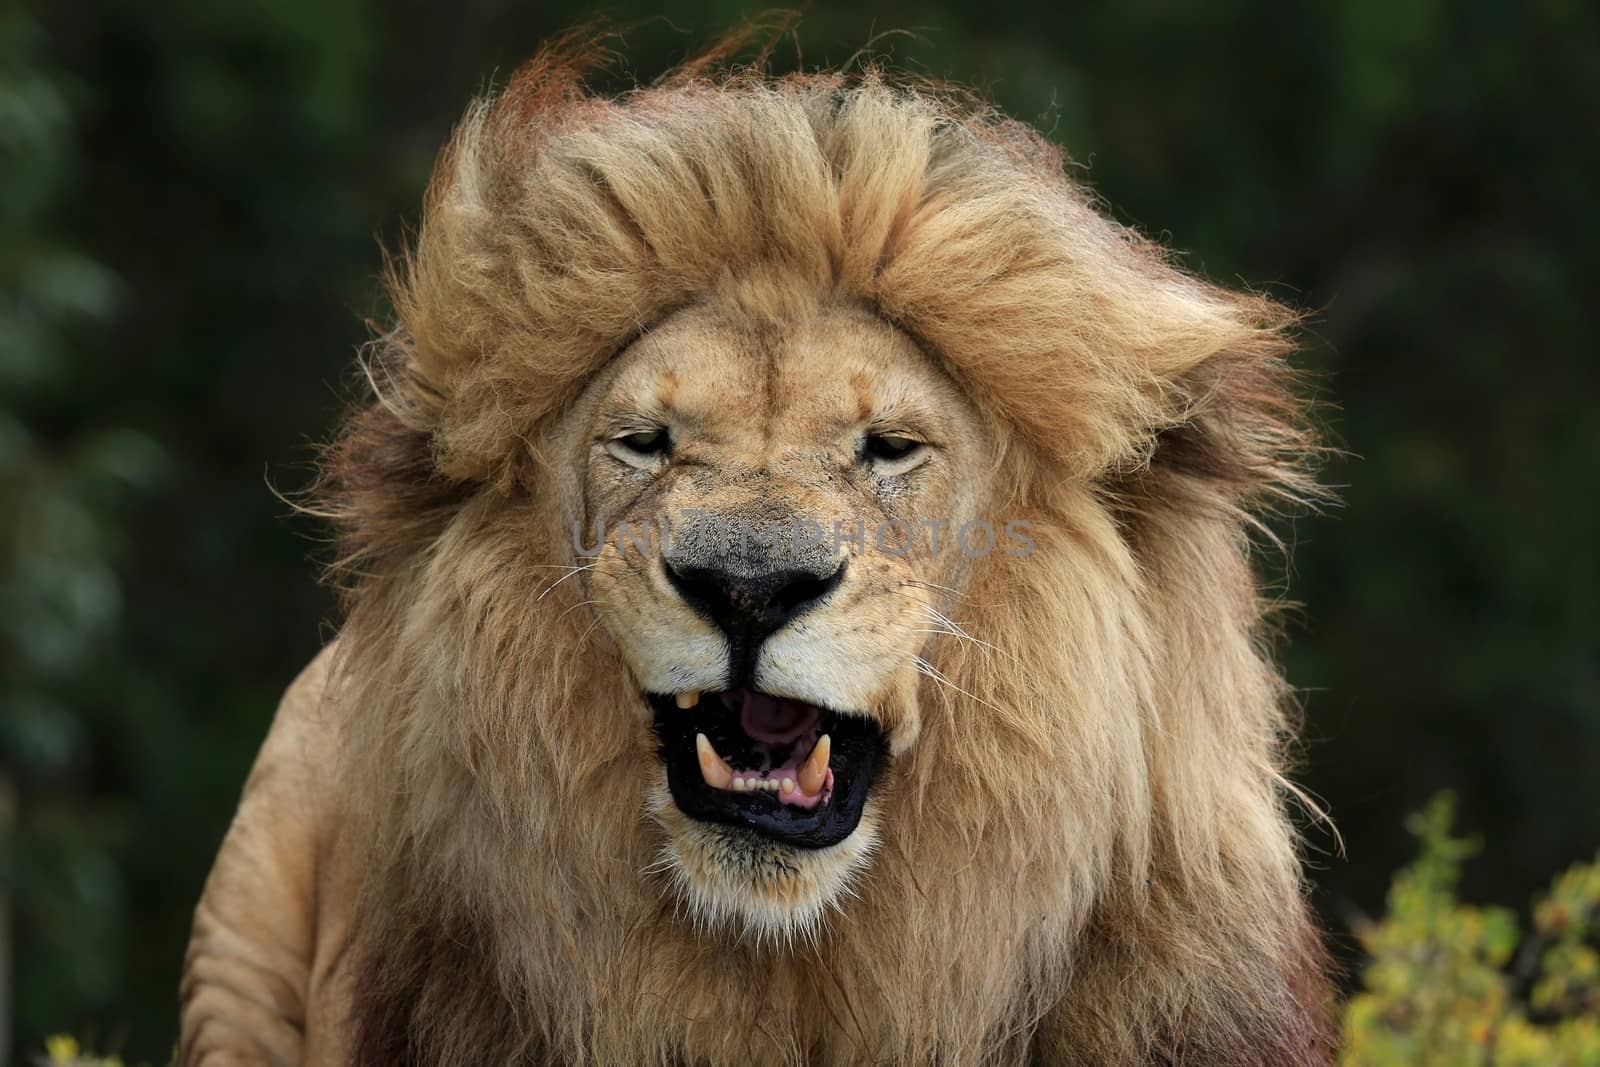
788 769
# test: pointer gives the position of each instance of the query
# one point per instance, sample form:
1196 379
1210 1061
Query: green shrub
63 1050
1449 985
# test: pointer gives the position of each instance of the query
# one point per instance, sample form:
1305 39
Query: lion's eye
892 453
642 448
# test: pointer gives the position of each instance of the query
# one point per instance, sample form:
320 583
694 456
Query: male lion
627 755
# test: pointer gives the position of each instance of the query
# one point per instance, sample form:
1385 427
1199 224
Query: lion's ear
1240 434
380 482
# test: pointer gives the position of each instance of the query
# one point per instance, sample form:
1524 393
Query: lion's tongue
776 721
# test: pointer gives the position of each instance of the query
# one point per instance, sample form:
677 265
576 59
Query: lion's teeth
810 779
815 772
687 700
713 768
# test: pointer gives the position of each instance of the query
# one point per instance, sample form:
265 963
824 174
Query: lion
799 609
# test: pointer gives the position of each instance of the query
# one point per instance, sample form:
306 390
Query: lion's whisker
948 627
930 671
575 570
950 591
575 607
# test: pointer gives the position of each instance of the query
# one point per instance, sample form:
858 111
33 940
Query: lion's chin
738 882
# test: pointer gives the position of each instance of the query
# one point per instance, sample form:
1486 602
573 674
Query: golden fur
1079 853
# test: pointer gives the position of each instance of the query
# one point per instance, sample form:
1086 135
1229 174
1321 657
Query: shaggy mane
1106 874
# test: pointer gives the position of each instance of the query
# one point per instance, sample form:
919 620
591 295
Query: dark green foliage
194 195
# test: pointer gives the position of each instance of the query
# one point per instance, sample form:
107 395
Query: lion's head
799 591
779 487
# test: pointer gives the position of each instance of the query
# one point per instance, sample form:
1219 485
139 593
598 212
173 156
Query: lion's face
771 507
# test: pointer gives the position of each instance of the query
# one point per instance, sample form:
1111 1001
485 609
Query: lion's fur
1106 873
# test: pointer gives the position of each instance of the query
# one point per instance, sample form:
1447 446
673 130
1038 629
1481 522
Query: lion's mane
1086 857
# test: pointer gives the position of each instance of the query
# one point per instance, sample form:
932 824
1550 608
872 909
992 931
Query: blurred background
192 200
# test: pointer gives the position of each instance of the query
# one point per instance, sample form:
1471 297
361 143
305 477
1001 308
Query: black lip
858 751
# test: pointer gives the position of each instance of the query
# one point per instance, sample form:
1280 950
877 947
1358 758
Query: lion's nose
753 605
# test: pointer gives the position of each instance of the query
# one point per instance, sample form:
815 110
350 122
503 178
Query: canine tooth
815 772
713 768
687 700
738 785
787 786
